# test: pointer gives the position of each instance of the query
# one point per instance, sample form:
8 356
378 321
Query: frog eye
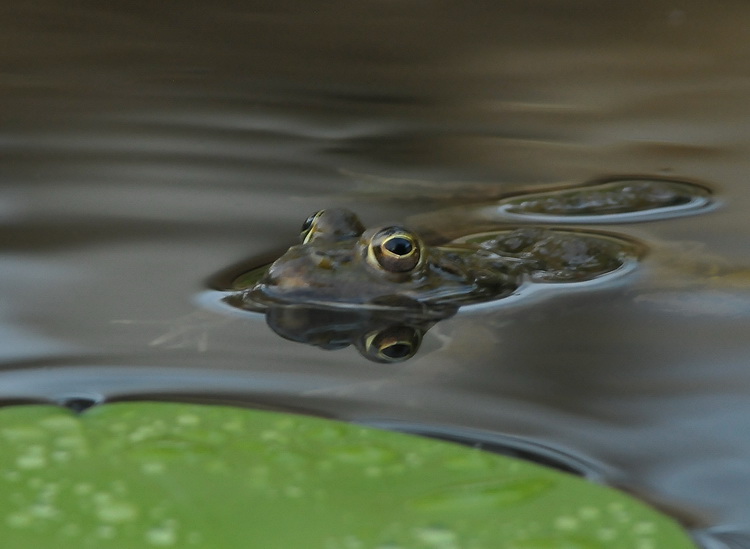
392 344
331 225
394 249
307 226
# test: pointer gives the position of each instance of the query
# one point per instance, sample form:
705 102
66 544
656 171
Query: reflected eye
392 344
307 226
394 249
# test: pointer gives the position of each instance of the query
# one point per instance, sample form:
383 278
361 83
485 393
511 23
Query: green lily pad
146 475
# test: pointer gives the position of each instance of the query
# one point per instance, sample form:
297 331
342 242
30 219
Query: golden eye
392 344
394 249
307 226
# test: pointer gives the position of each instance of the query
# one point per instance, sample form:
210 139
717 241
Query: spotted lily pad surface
143 475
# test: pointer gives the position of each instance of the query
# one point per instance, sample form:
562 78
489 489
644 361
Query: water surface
145 148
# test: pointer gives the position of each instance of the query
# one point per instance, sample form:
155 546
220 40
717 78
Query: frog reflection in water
343 280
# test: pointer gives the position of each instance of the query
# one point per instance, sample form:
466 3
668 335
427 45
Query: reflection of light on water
189 331
113 381
525 447
699 204
17 340
18 344
723 537
534 291
707 302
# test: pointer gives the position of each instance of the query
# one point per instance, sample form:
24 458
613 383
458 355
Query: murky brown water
145 148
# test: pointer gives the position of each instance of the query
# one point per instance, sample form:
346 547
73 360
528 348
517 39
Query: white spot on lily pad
114 511
19 520
44 511
437 538
153 467
644 528
162 536
31 461
293 492
60 423
589 513
83 489
566 523
645 543
188 419
22 434
106 532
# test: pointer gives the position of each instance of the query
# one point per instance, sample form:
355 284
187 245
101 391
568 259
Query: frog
382 288
339 261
